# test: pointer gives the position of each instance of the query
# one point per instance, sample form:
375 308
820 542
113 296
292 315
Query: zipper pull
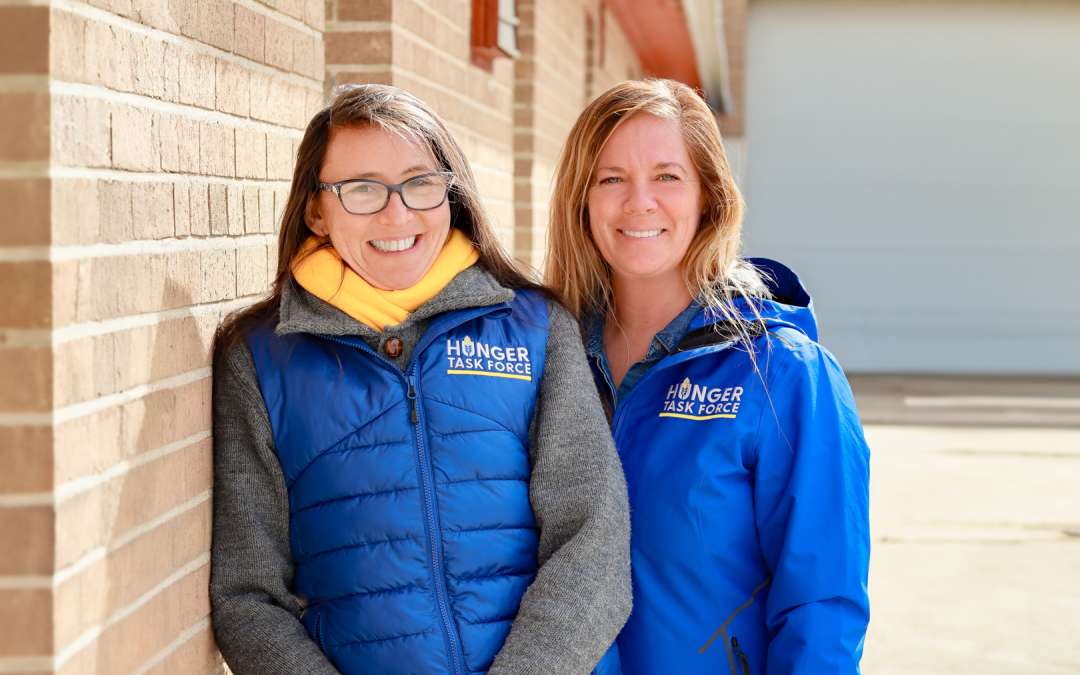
412 405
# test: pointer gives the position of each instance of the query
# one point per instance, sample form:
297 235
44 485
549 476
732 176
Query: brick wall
147 178
570 52
145 156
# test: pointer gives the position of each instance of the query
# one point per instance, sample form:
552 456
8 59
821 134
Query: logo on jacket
688 401
466 356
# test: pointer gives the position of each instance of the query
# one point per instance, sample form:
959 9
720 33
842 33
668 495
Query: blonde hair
713 271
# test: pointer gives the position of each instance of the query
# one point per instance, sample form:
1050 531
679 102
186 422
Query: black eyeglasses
363 197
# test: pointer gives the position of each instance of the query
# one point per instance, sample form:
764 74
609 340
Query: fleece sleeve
580 598
254 614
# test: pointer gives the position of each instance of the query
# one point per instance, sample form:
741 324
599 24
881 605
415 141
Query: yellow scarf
321 274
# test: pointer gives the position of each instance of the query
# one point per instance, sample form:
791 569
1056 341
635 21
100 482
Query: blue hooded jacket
748 481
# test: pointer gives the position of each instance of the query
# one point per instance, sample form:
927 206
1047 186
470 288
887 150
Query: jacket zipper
412 383
740 655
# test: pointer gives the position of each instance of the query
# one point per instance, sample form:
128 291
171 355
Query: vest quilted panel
411 531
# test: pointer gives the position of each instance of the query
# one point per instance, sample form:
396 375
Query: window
494 31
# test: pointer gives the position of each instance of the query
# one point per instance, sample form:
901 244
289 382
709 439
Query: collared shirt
663 343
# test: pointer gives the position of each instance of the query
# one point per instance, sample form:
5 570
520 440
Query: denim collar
666 340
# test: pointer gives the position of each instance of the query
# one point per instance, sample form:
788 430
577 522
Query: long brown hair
401 113
712 268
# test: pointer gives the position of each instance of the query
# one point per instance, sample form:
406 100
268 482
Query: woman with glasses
413 473
745 461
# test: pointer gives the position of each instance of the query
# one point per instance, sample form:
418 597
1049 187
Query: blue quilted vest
410 523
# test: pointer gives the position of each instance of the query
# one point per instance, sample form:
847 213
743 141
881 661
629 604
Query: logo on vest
688 401
466 356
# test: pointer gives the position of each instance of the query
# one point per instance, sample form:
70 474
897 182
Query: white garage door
918 163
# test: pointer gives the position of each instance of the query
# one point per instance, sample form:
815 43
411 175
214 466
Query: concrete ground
976 532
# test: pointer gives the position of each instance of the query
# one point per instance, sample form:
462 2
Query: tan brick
114 207
196 79
27 458
27 211
156 14
250 153
26 537
65 291
266 210
307 55
233 88
170 73
185 14
152 210
315 14
111 56
26 614
219 275
251 209
279 157
75 209
24 136
200 210
250 33
216 149
234 203
157 623
85 370
27 291
292 8
31 369
110 584
108 511
149 66
278 49
215 22
363 10
182 209
251 271
89 444
219 210
360 47
24 40
278 102
281 199
67 47
136 142
199 654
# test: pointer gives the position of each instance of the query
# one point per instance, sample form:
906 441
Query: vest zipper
427 483
457 657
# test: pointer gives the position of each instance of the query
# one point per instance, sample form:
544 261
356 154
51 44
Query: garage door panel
918 163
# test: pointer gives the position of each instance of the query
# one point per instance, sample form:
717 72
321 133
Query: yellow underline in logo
509 376
726 416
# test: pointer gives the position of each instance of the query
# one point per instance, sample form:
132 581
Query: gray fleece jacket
580 597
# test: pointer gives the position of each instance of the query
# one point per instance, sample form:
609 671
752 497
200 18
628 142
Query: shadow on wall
148 588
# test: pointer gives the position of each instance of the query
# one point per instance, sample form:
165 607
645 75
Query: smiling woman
745 461
412 468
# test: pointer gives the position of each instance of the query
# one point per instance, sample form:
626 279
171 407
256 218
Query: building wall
151 147
570 52
147 154
927 152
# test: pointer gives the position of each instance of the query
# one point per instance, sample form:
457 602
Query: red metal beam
658 34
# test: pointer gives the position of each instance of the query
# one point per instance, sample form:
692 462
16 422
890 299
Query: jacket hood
789 305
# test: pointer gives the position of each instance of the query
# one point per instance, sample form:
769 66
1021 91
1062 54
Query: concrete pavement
976 550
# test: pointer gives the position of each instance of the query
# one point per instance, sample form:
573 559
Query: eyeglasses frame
390 190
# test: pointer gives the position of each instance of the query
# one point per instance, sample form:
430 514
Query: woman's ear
313 216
